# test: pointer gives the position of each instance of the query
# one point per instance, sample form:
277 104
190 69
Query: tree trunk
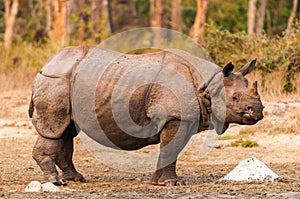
11 10
156 10
133 9
48 17
261 17
176 20
60 22
269 26
96 15
292 15
251 16
197 29
276 17
81 22
68 20
107 14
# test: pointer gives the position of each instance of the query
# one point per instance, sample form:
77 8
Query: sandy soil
278 136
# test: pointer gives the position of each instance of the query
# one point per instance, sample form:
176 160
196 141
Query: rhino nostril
250 109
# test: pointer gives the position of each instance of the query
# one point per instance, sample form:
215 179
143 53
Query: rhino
129 110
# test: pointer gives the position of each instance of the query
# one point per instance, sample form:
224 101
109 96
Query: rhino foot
56 180
163 181
75 176
172 182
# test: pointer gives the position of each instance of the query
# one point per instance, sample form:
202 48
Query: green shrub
226 137
279 53
249 143
244 143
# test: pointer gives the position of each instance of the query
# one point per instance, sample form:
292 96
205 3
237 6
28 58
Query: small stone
218 146
34 186
50 187
106 170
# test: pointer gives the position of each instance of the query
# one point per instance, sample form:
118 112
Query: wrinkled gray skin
52 116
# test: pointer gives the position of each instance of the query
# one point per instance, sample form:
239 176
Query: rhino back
62 62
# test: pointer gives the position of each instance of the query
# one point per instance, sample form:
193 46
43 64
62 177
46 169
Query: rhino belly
113 111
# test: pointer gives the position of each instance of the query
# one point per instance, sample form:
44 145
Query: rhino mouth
249 117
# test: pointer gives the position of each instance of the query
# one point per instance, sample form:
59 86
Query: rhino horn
254 90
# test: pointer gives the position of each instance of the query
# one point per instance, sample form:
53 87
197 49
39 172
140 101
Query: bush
249 143
21 62
244 143
281 54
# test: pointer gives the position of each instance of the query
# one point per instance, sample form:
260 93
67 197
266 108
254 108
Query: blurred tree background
236 30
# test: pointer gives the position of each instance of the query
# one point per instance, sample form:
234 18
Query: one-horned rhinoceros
128 101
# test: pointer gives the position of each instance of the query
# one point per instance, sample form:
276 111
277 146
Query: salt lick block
251 170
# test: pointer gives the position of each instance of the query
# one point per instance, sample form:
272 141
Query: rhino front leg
45 153
65 154
173 138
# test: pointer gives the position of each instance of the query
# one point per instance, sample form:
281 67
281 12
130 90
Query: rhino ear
228 69
248 68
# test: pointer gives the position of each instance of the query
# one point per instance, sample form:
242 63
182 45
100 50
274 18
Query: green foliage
280 53
25 55
31 17
20 63
279 13
225 13
189 9
244 143
226 137
249 143
1 18
143 8
232 15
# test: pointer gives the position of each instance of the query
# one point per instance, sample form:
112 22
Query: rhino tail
31 108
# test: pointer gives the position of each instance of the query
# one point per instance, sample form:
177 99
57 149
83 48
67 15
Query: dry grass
270 87
17 79
22 78
21 63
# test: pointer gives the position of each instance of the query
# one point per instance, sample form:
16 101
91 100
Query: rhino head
243 105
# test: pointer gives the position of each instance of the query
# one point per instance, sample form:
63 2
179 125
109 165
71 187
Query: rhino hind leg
173 139
64 160
45 153
50 152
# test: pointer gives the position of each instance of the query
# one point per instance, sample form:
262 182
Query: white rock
34 186
251 170
50 187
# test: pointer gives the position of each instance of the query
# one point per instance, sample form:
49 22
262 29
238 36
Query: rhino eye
246 81
235 97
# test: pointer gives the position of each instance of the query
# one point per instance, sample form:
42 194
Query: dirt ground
278 136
